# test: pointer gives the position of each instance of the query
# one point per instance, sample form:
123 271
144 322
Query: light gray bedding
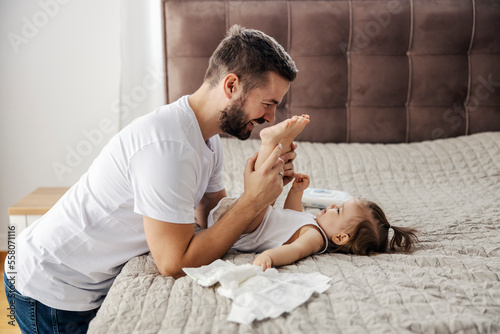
449 189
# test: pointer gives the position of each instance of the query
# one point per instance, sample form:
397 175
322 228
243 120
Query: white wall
59 81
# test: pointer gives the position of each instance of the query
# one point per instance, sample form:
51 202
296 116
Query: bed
410 119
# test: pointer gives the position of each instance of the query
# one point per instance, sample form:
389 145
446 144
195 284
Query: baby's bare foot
284 131
301 123
273 134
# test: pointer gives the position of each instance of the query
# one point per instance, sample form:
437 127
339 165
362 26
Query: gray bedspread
449 189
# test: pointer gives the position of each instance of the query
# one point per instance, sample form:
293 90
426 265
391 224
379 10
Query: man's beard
232 120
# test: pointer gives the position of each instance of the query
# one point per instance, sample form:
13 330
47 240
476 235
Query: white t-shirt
158 166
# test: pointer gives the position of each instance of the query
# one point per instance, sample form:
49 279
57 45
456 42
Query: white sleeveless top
276 228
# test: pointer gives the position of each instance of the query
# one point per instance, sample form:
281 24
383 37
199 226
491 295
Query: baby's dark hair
371 234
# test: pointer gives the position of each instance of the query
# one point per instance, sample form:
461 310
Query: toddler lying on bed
287 235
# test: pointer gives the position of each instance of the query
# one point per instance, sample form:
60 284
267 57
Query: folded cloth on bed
258 294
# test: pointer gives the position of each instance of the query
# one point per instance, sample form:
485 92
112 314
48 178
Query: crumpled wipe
258 294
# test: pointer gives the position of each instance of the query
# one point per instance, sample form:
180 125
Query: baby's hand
264 261
301 182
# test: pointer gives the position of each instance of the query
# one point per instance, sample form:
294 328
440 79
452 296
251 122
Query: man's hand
263 186
288 158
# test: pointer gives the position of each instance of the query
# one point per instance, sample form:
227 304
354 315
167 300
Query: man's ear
340 239
231 85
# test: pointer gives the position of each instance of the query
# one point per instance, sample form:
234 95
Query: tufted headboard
381 71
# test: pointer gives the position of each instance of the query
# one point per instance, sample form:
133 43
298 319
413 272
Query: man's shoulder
171 121
169 114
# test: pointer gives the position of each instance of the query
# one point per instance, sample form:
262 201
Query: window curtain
142 76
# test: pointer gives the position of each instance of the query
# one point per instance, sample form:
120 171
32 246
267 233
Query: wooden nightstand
33 206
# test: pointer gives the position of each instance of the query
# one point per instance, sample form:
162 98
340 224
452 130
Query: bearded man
149 184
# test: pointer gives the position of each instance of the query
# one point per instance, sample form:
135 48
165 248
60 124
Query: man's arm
207 203
175 246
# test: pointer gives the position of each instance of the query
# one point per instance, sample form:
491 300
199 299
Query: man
144 190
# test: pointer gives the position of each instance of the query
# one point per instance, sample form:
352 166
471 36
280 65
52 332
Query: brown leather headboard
369 71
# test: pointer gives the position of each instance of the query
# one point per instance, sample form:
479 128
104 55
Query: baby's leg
284 133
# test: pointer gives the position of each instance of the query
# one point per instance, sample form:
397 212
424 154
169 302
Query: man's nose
270 116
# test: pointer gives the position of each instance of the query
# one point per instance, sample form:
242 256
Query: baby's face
334 220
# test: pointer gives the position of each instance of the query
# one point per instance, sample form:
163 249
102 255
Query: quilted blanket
449 189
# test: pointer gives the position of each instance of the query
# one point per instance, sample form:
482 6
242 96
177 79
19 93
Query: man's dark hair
250 54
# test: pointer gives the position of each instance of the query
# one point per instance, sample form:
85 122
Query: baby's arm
307 243
294 198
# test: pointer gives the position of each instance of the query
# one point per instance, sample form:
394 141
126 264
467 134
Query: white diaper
219 209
